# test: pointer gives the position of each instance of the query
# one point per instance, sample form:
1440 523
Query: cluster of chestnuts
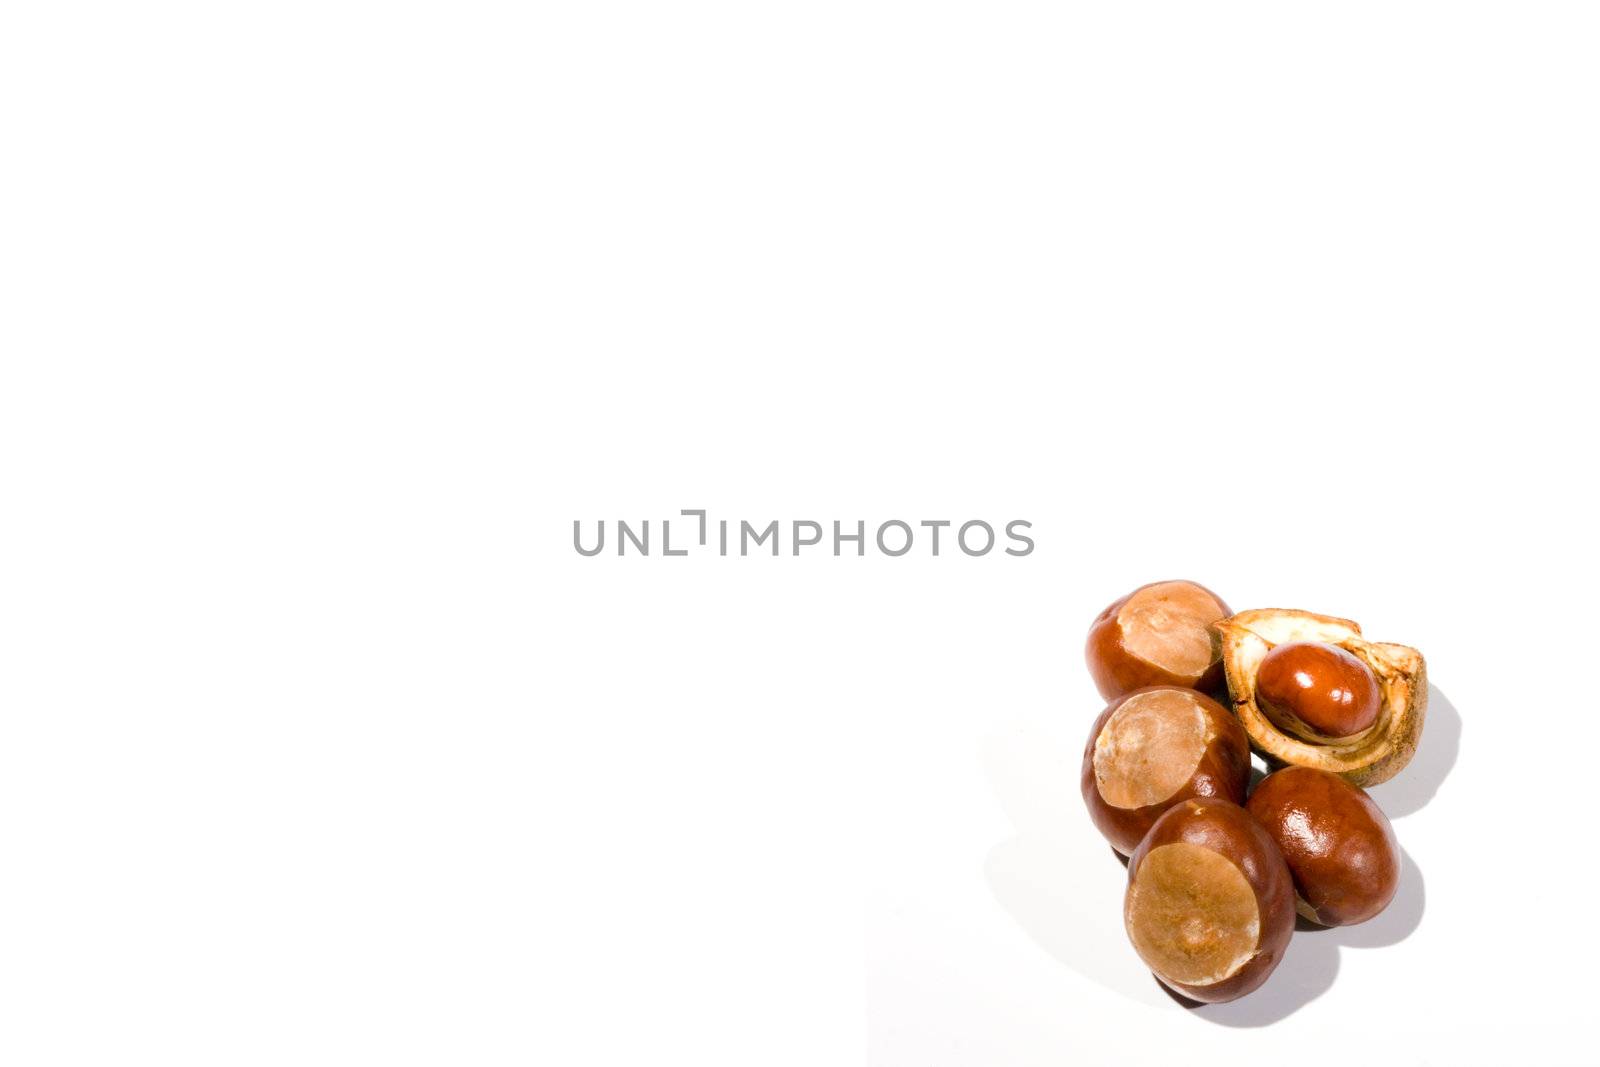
1216 870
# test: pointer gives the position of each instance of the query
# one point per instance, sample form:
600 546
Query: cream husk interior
1367 759
1169 624
1192 915
1149 747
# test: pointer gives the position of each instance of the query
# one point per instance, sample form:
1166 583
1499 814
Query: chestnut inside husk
1372 756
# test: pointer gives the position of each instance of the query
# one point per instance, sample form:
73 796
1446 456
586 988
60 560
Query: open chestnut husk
1308 705
1339 845
1159 634
1157 747
1210 902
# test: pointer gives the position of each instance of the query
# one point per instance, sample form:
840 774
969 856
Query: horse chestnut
1317 690
1157 747
1210 903
1337 842
1159 634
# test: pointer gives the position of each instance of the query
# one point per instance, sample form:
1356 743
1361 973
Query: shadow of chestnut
1392 925
1308 969
1055 876
1312 960
1412 789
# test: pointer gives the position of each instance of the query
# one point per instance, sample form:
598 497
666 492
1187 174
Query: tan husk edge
1372 757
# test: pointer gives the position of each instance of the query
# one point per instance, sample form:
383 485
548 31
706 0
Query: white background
323 322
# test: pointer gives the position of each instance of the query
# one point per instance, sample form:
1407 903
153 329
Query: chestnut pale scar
1169 624
1149 748
1192 915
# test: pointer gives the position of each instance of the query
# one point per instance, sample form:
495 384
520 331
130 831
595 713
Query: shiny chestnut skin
1159 634
1338 843
1156 747
1317 691
1197 909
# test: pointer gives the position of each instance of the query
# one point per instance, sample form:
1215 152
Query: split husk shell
1373 756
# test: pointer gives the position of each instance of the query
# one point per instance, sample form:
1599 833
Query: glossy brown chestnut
1157 747
1159 634
1317 691
1210 904
1337 842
